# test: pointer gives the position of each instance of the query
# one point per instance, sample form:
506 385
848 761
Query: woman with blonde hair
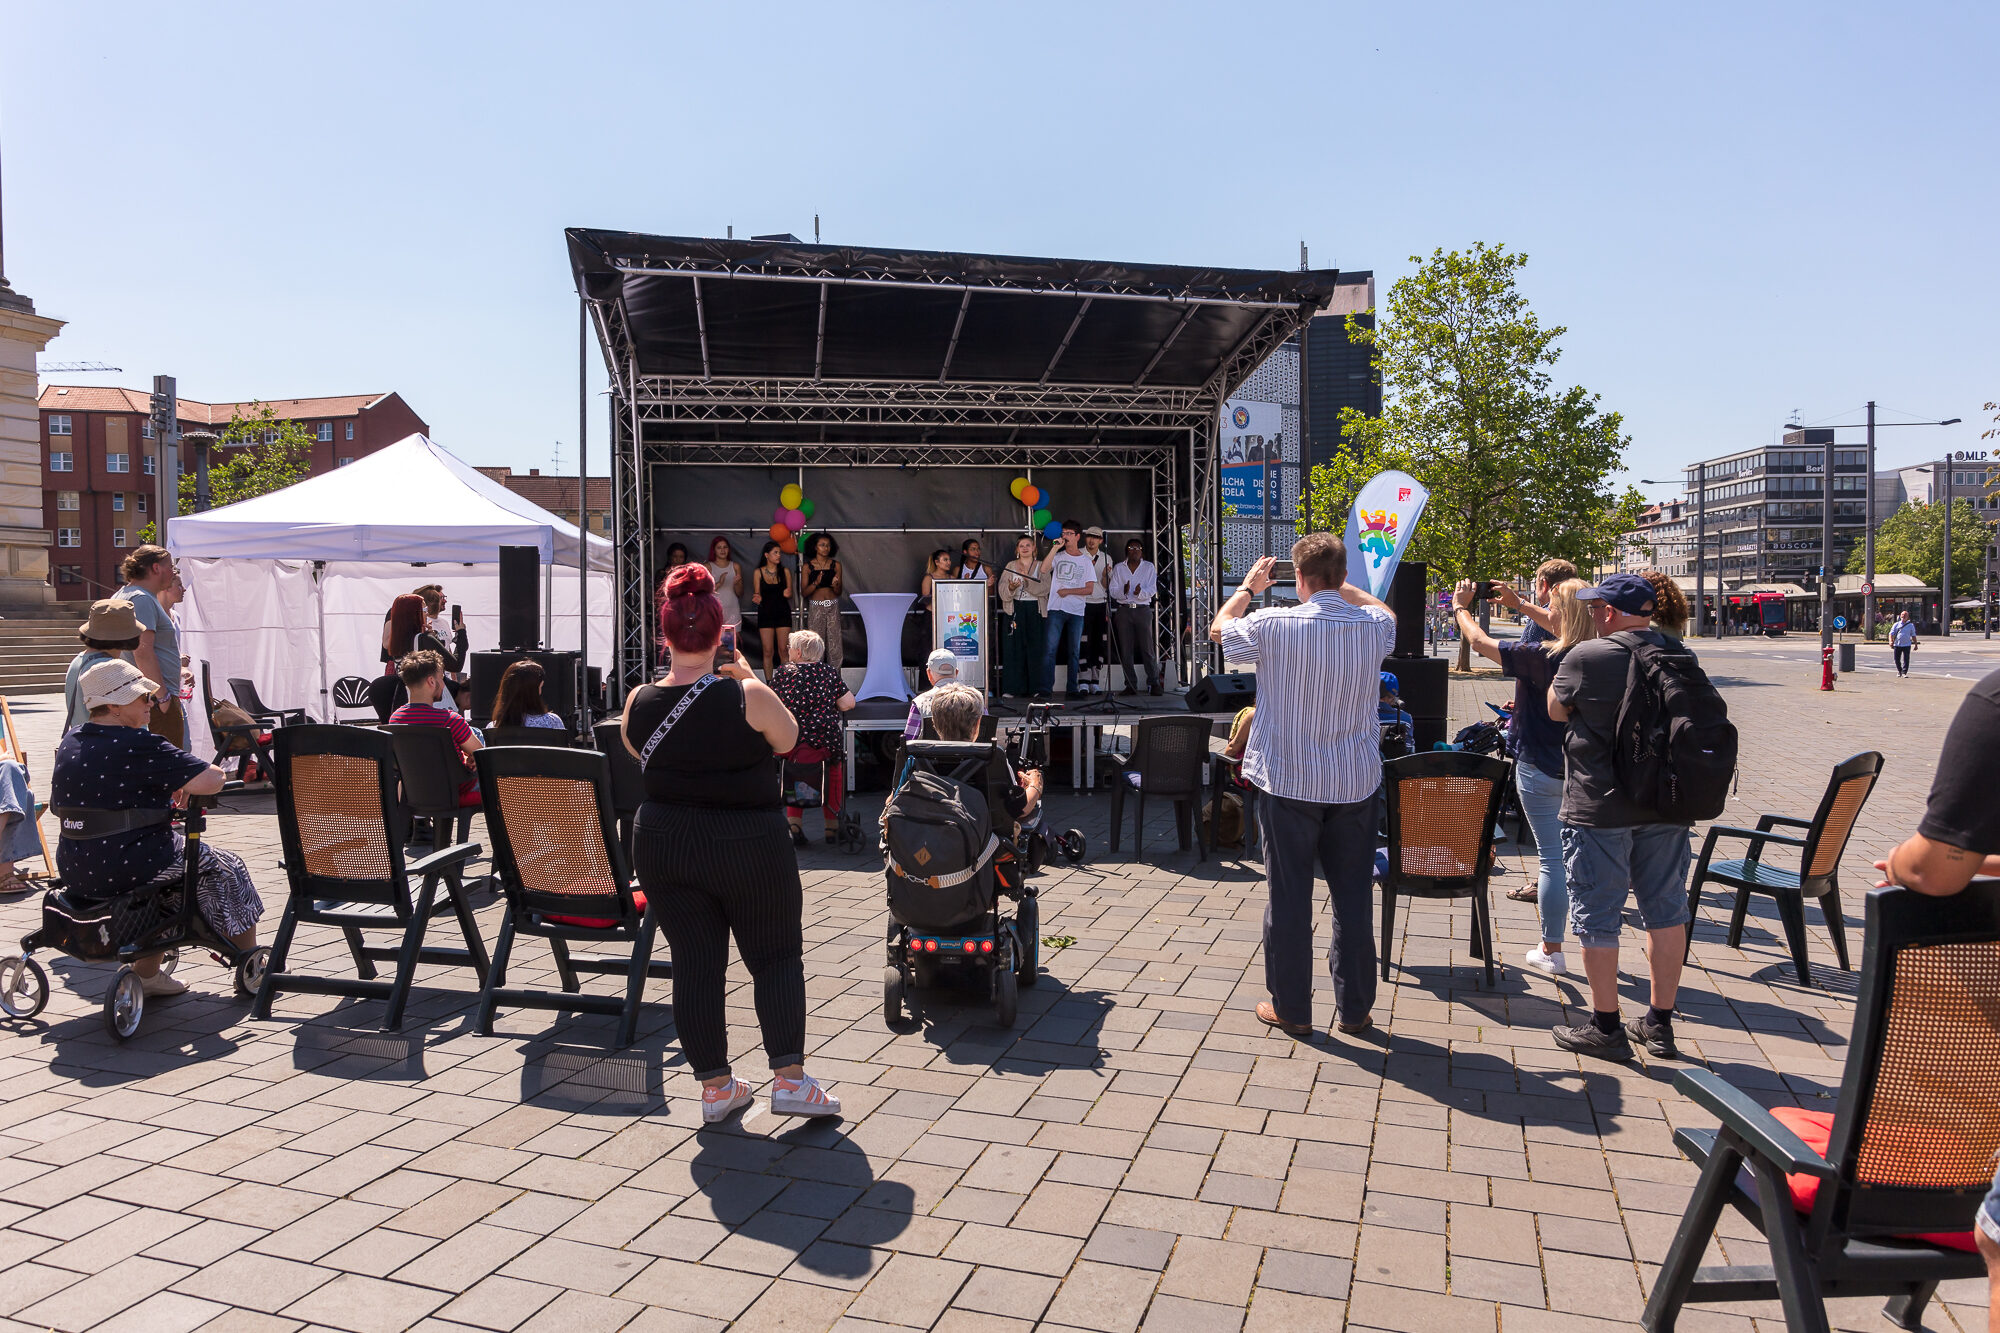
1538 745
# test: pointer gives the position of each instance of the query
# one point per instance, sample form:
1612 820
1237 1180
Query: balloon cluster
788 520
1036 498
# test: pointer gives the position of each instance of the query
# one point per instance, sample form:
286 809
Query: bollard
1847 659
1826 667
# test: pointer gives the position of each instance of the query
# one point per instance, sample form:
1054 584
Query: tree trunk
1464 653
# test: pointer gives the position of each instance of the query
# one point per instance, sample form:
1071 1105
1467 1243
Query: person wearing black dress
773 582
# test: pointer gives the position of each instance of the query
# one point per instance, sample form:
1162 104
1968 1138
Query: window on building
69 536
69 573
346 460
117 462
350 431
118 538
142 502
151 466
58 425
326 432
270 437
68 500
145 428
118 502
60 461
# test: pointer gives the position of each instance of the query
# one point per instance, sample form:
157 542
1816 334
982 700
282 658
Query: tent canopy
410 502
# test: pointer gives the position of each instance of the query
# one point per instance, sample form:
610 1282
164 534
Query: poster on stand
1379 528
1251 433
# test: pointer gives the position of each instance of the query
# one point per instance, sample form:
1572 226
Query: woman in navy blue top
112 762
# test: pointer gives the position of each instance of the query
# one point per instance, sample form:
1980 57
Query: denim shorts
1603 864
1989 1212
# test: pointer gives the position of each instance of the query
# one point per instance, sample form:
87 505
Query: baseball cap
115 682
1625 592
1390 683
942 662
1094 531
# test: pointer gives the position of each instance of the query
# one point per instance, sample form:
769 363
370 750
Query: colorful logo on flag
1378 535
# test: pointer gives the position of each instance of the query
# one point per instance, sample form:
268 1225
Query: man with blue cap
1614 847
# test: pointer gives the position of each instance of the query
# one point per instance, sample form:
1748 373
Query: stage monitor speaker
558 681
1223 692
1423 685
1407 598
520 597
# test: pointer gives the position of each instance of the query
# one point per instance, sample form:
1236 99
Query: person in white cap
942 667
113 763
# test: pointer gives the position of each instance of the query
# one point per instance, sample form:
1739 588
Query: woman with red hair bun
714 854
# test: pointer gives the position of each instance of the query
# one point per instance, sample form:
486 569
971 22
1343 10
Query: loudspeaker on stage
1223 692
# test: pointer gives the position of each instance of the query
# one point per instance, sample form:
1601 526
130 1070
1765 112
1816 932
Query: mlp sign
1252 435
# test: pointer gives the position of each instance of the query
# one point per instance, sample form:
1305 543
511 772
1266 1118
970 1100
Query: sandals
1527 893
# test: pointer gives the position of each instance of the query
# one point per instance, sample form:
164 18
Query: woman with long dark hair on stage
774 607
714 855
728 576
938 567
821 574
1023 595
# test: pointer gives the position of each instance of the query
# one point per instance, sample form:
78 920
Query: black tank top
713 759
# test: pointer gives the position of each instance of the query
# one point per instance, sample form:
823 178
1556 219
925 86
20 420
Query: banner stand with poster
959 624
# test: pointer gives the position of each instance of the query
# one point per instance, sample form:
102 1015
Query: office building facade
1762 511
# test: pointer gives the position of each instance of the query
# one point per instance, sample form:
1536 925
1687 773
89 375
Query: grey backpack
938 844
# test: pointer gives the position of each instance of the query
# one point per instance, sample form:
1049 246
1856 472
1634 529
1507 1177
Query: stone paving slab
1138 1152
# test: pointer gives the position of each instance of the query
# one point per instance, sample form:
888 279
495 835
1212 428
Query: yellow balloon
790 496
1020 484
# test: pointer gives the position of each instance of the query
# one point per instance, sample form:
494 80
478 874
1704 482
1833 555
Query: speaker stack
1223 692
520 597
1422 681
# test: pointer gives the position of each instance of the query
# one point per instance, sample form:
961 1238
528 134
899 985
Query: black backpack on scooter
1675 747
937 840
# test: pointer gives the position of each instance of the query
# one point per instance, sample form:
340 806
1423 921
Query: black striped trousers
711 874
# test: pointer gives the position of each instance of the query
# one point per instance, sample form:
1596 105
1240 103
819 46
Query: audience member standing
1548 576
1902 638
1131 585
1070 577
1613 847
713 855
111 630
1315 755
147 572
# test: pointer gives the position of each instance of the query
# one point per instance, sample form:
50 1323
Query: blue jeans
1988 1219
1065 634
1648 862
1541 801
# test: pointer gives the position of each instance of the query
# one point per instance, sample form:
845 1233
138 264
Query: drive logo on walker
1379 528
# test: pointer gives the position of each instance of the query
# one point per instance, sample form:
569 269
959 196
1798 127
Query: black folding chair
628 782
351 692
242 740
565 873
385 695
433 776
1818 875
1441 809
1168 756
246 699
343 840
544 736
1876 1197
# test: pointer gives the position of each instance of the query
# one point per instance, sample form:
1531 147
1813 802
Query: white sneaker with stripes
805 1097
718 1104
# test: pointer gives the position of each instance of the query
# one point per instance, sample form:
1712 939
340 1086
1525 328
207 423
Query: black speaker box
1423 684
558 681
1407 598
520 599
1223 692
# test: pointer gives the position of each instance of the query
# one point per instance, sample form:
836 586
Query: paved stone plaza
1138 1151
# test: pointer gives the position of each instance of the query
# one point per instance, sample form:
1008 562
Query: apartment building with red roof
100 465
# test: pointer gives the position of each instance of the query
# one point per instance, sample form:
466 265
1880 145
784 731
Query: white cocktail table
882 619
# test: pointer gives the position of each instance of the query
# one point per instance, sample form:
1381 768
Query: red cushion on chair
1815 1129
602 922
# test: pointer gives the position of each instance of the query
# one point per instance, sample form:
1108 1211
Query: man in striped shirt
1315 755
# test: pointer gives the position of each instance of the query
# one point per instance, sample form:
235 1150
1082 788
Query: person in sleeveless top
727 574
774 607
713 853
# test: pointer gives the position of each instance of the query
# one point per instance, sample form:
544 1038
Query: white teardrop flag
1379 528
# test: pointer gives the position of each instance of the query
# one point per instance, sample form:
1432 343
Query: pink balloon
793 519
778 514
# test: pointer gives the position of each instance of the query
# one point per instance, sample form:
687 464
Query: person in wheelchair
114 786
955 713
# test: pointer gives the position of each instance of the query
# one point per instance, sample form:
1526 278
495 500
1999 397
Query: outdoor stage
902 389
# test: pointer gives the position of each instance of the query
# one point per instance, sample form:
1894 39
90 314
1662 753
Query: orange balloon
1031 496
779 532
789 543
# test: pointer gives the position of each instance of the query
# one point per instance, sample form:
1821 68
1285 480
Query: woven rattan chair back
337 816
1918 1120
1442 808
555 841
1839 810
1169 754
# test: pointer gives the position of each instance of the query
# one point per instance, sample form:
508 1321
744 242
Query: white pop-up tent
289 589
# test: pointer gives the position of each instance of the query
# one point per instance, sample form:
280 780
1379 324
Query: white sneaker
805 1097
160 985
718 1104
1551 963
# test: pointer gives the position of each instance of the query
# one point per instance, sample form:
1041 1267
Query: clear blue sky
1736 209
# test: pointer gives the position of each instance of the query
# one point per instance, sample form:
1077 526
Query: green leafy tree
1911 541
255 455
1518 469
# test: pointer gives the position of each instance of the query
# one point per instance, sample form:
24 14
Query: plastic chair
243 739
351 692
385 695
246 699
1168 755
433 780
543 736
343 842
566 876
1818 876
1875 1197
628 782
1441 809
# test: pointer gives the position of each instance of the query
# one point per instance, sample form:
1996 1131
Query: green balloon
1041 518
806 508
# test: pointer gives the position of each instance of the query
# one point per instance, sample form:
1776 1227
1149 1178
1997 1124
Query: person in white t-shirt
1070 578
1094 656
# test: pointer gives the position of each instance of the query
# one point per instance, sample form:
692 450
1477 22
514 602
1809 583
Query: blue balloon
1054 529
1045 502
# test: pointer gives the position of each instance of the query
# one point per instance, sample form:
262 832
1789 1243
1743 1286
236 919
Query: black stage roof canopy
705 309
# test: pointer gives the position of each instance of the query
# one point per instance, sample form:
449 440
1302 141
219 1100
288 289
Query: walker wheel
169 960
124 1003
24 986
1073 846
893 992
850 832
250 969
1006 994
